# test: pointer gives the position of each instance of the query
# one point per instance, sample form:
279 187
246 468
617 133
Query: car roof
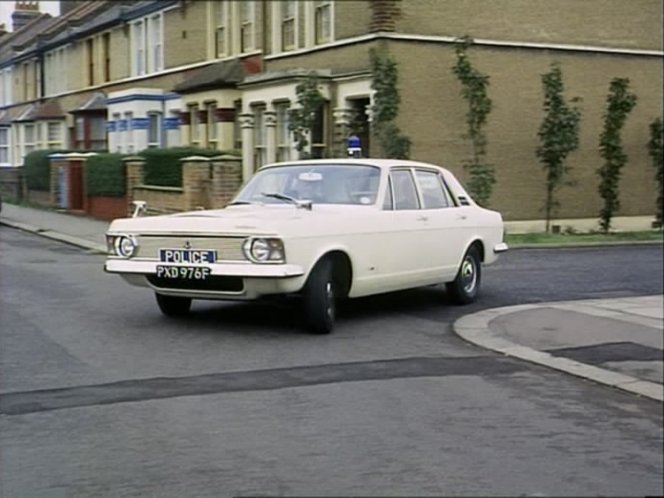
381 163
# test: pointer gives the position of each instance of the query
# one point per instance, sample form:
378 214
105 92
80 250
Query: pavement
615 342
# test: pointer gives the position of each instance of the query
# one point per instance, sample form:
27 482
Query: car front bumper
250 281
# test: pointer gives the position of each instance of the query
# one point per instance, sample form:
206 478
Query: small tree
475 84
558 134
385 108
301 120
619 104
655 146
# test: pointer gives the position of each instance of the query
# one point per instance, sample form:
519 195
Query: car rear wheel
466 286
173 305
320 298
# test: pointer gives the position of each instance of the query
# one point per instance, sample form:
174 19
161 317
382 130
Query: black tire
465 288
319 298
173 306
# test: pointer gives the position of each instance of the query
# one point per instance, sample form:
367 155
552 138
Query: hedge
105 175
36 167
163 167
37 171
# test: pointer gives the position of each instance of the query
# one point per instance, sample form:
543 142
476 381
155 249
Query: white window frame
6 86
154 118
117 135
194 125
29 139
321 8
260 135
284 142
54 142
5 145
287 18
247 16
155 42
221 29
212 132
147 45
138 66
129 132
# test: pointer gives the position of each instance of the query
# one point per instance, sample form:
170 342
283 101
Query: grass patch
583 238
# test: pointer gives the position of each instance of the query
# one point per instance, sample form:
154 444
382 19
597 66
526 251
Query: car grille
213 283
228 248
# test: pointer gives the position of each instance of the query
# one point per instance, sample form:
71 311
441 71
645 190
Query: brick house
222 74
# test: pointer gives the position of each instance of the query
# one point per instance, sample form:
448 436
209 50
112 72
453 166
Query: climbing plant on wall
558 135
655 146
620 103
474 91
302 119
385 108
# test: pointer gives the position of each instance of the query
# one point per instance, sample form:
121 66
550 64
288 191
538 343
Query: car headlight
122 245
264 250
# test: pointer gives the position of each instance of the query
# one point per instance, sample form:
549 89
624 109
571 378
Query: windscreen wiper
306 204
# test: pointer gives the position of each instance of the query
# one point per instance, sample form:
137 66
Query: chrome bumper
498 248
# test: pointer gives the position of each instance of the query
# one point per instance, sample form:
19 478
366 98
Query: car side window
388 202
432 189
405 193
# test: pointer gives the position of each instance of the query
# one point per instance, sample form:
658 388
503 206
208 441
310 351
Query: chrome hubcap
468 275
329 293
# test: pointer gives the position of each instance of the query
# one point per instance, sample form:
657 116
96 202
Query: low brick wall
160 200
206 183
40 198
11 183
107 208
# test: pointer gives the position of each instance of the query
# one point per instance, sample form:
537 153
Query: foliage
590 238
385 108
475 84
163 167
558 134
619 104
36 168
302 119
655 146
105 175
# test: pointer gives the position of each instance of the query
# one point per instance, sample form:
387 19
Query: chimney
24 12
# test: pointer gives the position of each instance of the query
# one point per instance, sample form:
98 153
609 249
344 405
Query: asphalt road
102 396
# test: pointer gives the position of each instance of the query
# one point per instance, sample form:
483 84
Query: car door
397 232
446 226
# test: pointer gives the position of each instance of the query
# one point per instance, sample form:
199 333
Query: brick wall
207 183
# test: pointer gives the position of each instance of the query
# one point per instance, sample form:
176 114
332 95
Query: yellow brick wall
185 34
433 115
613 23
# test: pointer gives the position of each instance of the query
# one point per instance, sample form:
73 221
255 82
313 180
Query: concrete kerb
60 237
476 329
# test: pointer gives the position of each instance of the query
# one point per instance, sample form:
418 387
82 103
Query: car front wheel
173 305
320 298
466 286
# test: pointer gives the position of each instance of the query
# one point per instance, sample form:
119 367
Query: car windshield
320 184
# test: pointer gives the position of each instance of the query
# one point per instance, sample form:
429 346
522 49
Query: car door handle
422 218
462 217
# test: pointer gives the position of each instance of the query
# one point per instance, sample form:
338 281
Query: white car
323 229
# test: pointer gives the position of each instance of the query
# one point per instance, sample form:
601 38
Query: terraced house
127 75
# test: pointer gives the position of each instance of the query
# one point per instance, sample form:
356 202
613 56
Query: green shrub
105 175
163 167
37 170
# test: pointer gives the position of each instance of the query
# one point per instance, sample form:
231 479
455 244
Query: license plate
183 272
191 256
